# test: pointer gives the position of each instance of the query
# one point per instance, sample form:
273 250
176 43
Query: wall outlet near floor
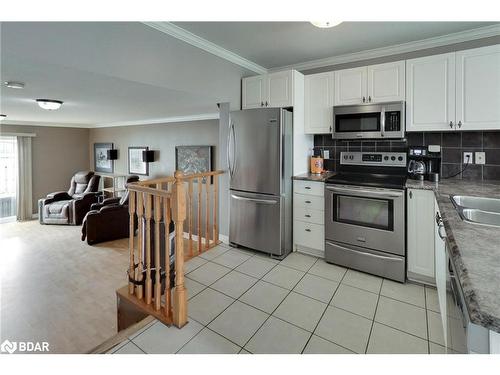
480 158
468 158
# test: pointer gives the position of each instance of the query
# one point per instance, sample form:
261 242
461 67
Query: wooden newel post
179 215
131 271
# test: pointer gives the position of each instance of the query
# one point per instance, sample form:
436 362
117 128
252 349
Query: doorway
8 178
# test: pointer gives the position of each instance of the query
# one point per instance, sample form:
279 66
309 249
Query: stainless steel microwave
372 121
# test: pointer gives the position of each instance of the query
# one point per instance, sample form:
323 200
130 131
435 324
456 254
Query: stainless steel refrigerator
260 162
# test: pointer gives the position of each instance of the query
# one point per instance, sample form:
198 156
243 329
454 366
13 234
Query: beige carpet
56 288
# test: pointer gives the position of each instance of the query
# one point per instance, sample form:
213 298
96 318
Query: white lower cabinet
309 217
420 235
440 264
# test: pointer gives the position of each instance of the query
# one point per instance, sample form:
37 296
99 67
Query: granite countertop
314 177
474 249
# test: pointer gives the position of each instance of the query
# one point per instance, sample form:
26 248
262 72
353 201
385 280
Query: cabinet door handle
307 215
308 201
460 124
451 124
262 104
330 128
369 98
267 104
307 187
411 194
364 99
308 230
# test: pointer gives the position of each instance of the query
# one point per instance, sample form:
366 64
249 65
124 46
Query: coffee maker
424 163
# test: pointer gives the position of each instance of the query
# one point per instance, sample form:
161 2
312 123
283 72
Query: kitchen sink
477 210
481 217
478 203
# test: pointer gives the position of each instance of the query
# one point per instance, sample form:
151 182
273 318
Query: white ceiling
277 44
110 73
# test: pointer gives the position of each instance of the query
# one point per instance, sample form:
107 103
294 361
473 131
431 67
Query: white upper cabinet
478 88
319 102
253 95
386 82
268 90
351 86
430 93
280 89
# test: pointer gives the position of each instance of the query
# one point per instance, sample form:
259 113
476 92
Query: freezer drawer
365 260
257 222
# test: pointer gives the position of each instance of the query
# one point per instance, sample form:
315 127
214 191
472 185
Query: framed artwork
101 162
135 163
193 159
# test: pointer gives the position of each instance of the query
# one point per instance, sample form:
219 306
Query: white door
478 88
253 95
279 89
420 226
350 86
430 93
440 260
386 82
319 103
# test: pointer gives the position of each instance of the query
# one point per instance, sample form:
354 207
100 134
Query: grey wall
410 55
159 137
163 138
57 154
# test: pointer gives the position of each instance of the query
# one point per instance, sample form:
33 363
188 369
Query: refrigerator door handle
234 149
228 153
263 201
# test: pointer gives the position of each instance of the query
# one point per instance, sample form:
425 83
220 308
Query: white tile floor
244 302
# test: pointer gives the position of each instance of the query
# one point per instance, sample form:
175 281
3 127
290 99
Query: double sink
477 210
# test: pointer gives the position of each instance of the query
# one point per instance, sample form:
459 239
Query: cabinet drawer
309 235
309 187
308 201
309 215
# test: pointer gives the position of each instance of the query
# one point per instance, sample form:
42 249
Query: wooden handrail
153 205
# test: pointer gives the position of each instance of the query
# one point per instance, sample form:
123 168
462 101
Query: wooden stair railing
155 203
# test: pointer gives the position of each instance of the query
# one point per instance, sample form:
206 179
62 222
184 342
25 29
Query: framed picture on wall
194 159
135 163
101 162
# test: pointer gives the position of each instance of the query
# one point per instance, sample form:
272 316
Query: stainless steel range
365 214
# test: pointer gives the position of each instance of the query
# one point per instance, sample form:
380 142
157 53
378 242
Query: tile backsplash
453 145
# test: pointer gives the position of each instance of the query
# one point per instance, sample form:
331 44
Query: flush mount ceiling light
49 104
325 24
14 84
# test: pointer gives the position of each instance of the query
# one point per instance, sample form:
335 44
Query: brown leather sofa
70 207
108 220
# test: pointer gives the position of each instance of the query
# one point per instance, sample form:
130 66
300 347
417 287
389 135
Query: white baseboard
34 216
223 238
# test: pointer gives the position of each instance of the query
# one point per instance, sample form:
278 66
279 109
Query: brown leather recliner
108 220
70 207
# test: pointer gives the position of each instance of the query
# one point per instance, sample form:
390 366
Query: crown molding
45 124
166 120
196 41
463 36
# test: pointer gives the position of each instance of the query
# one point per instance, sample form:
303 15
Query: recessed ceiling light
49 104
14 84
326 24
2 116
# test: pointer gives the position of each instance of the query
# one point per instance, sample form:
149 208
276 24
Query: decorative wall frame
101 162
194 159
135 163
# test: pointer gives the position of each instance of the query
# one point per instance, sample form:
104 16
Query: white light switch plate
480 158
326 154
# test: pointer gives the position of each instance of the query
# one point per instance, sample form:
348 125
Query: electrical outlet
326 154
480 158
468 158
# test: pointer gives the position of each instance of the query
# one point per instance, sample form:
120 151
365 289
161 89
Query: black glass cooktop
364 179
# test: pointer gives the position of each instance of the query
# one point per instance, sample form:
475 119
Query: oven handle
383 194
364 253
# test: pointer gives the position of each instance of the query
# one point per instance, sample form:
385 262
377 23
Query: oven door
367 217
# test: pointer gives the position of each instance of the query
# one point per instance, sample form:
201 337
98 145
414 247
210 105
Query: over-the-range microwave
372 121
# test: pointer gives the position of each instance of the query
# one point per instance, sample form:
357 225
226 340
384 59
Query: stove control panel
386 159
